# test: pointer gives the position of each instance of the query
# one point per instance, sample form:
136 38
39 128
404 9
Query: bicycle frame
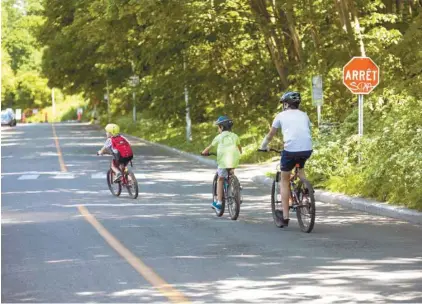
123 170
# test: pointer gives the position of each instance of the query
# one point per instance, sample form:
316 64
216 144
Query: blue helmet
291 98
225 122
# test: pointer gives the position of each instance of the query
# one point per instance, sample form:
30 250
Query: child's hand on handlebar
205 152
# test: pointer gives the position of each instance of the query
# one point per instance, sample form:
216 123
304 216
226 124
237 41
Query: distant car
8 118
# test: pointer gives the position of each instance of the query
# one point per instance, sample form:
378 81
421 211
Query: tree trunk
314 32
287 16
345 19
274 46
388 6
399 6
357 27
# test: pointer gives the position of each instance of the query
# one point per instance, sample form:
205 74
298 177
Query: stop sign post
361 76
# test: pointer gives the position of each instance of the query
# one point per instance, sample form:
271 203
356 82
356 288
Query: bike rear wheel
132 185
233 197
276 204
115 188
214 197
305 210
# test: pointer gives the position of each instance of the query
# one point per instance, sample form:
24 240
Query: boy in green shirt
228 154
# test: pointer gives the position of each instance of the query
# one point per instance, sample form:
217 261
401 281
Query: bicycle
127 180
302 200
231 193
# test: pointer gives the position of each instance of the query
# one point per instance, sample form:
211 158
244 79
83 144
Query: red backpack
121 144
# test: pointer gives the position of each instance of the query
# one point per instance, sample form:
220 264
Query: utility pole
188 120
53 103
108 102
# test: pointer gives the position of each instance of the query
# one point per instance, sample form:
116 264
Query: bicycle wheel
132 185
115 188
233 198
276 204
214 197
305 210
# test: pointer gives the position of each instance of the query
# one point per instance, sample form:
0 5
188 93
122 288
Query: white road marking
64 176
29 176
100 175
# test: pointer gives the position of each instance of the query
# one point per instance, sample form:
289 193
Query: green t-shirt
228 154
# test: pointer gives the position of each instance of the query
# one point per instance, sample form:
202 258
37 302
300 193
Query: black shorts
290 159
121 160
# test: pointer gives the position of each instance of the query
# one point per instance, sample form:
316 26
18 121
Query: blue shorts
290 159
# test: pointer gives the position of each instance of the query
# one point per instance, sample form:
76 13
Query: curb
358 203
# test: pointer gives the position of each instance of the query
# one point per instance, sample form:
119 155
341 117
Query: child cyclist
228 154
296 130
119 147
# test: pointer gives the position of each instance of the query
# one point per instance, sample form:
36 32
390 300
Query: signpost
134 80
317 95
360 76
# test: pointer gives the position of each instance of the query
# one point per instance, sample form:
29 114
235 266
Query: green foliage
390 166
234 57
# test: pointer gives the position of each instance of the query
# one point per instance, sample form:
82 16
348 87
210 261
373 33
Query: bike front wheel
305 210
233 198
214 197
115 188
132 185
276 204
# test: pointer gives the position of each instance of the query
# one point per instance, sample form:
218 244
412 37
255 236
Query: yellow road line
59 151
163 287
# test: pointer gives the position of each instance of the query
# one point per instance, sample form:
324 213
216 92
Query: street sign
18 114
79 111
317 95
134 80
361 75
34 111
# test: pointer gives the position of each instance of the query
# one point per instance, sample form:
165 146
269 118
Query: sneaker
284 221
216 206
118 177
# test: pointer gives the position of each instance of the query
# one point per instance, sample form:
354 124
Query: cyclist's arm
207 149
106 149
267 139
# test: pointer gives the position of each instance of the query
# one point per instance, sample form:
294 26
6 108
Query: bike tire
305 190
214 197
233 203
275 190
133 194
110 177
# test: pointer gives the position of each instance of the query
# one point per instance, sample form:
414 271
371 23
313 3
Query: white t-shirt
296 129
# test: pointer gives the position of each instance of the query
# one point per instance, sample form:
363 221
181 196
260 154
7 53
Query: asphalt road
65 238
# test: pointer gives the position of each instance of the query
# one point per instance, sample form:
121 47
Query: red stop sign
361 75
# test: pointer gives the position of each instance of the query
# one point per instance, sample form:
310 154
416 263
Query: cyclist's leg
222 174
301 162
285 192
286 167
115 166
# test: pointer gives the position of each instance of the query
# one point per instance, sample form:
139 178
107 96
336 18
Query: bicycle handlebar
270 150
209 154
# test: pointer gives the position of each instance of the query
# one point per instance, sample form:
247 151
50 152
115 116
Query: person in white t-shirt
296 130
